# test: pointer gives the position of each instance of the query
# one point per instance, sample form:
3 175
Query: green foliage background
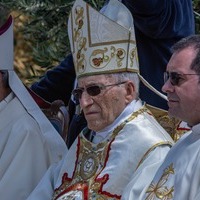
41 40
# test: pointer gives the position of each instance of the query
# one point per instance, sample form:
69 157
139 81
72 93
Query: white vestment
102 170
178 178
25 152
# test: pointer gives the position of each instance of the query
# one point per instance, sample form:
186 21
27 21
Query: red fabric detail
77 155
79 186
6 26
182 128
84 186
64 178
105 178
39 100
65 175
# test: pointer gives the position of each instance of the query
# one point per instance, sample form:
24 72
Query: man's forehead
182 58
100 78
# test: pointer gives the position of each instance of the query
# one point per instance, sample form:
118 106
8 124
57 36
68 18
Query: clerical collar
5 101
130 108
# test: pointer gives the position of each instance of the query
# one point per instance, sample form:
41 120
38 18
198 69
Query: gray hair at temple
4 14
127 76
192 41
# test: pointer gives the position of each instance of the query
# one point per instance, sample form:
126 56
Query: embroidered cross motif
160 190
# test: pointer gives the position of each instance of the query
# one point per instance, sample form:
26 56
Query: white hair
127 76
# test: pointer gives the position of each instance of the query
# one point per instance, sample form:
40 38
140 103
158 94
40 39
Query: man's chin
93 127
171 112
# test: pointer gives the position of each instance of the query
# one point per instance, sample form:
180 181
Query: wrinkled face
184 98
101 110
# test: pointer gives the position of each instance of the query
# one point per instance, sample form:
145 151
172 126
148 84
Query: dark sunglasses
92 90
175 77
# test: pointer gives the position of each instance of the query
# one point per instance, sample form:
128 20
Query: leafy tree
41 39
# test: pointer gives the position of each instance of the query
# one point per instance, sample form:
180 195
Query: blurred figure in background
29 143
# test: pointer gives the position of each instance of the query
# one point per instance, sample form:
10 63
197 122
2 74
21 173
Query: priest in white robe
29 143
178 178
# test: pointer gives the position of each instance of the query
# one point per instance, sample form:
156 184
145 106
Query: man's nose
167 87
85 99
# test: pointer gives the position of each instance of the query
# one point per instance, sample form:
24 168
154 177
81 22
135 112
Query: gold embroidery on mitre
99 59
133 57
160 190
79 40
93 53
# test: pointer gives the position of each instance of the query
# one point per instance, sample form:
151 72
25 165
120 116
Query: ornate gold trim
151 149
160 190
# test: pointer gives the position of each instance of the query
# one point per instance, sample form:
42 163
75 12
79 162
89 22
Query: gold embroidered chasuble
101 171
179 175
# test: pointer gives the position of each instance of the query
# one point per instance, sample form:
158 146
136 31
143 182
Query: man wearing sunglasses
158 25
179 175
122 139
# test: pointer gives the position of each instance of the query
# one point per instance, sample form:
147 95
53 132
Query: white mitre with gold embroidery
102 44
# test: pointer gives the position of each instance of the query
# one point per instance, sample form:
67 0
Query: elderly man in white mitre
122 140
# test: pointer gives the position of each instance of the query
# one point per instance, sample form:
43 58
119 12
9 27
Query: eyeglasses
92 90
175 77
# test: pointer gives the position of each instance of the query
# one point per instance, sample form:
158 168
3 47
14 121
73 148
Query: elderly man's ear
131 92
